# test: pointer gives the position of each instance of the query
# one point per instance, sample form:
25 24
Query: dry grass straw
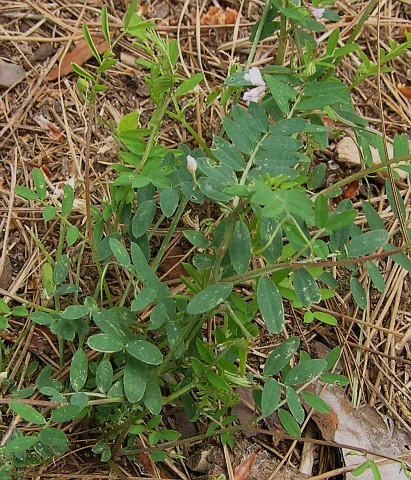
376 343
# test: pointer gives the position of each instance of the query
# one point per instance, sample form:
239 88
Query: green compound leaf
4 308
228 155
120 252
41 318
67 200
315 402
144 351
270 397
55 440
326 318
306 287
169 201
270 304
189 84
61 269
104 376
281 356
281 92
246 122
197 239
39 183
72 312
65 413
143 299
78 370
271 239
305 371
321 211
103 342
72 235
20 445
339 220
238 136
293 402
335 379
28 413
376 276
26 193
358 293
49 213
209 298
289 423
143 218
217 381
374 220
90 42
135 380
153 399
104 24
240 248
367 243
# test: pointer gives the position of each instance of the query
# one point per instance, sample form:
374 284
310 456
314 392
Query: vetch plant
126 368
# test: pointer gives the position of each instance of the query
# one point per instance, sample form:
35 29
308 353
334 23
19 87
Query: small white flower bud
191 164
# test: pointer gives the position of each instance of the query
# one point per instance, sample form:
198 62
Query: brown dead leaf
10 74
6 278
245 411
405 90
147 463
80 54
242 472
52 131
363 428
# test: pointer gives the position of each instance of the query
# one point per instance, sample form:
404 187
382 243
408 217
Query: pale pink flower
317 12
255 94
191 164
254 76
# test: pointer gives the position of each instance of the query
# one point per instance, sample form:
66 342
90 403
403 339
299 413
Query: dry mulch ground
37 35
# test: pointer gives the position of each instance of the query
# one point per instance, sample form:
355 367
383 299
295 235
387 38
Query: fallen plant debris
405 90
51 129
363 428
10 74
80 54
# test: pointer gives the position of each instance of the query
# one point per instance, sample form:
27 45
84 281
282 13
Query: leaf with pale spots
306 287
209 298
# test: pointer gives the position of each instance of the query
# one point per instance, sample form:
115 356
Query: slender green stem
244 331
257 273
222 250
282 41
156 124
171 398
180 117
155 227
363 173
170 233
358 26
258 33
